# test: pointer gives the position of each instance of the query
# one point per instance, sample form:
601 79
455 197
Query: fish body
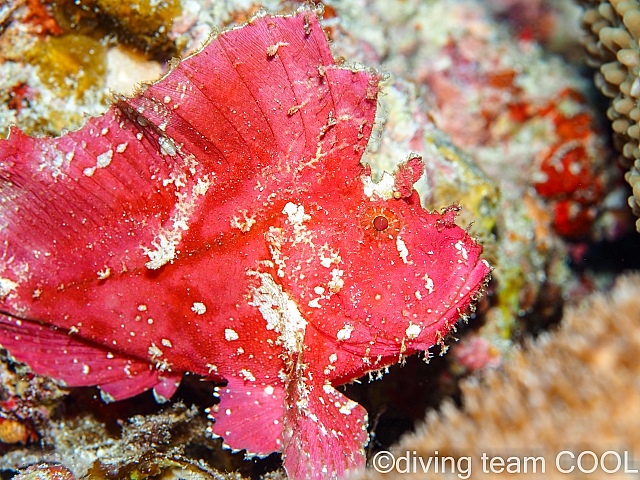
218 223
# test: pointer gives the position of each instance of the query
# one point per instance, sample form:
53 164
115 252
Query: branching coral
556 394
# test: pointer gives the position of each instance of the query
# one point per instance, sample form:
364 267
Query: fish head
374 279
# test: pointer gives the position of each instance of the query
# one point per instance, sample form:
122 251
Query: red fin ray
250 416
77 362
324 433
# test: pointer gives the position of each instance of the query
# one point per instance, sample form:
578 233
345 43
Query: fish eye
381 221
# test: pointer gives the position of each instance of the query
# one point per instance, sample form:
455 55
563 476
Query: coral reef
613 31
92 298
575 389
505 129
491 120
519 113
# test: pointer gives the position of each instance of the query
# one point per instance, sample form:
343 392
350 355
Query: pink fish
218 223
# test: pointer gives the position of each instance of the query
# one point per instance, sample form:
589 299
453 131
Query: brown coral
575 389
613 31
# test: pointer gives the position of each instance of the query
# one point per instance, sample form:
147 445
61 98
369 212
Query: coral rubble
45 472
146 446
55 68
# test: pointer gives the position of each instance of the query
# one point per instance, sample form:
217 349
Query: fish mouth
476 280
478 277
